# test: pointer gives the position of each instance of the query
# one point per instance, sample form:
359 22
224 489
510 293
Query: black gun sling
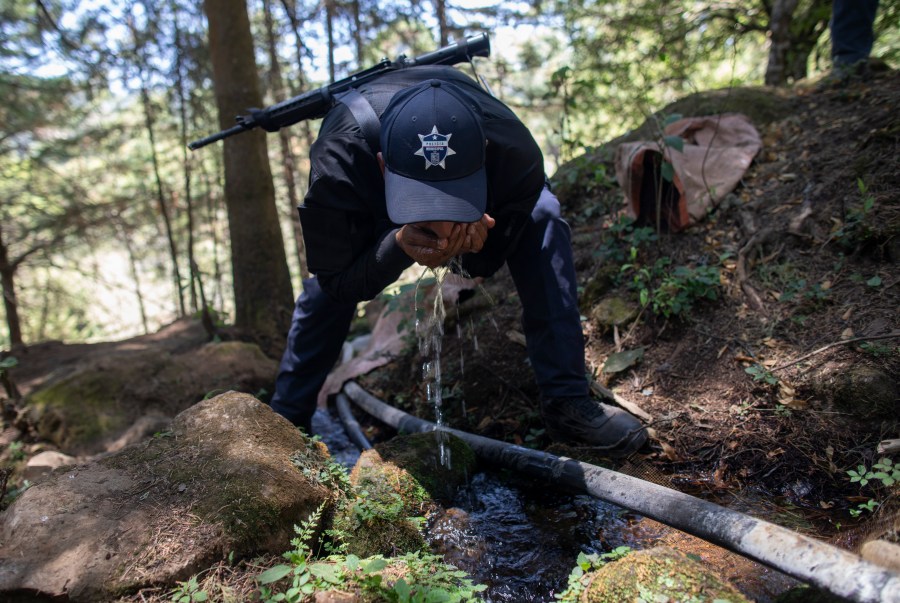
365 116
332 228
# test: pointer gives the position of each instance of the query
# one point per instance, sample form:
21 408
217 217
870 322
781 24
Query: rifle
316 103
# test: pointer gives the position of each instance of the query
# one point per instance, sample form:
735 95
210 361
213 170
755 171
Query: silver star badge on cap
435 148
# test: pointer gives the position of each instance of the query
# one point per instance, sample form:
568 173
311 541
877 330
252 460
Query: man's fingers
419 238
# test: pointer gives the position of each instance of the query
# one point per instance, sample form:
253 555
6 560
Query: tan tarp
717 151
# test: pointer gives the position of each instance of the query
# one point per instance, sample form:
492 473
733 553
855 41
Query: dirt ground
806 248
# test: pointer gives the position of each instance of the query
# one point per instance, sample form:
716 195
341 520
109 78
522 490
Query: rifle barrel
216 137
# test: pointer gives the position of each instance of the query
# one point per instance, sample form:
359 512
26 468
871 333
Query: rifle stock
316 103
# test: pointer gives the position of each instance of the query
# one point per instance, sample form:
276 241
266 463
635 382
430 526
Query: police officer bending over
452 173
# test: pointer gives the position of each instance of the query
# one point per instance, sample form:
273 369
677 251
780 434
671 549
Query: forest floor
769 382
743 399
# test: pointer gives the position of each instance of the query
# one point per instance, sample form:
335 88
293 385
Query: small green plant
424 577
876 349
679 290
854 229
534 437
303 578
884 471
584 564
761 374
868 506
188 592
8 363
671 292
16 451
323 470
883 474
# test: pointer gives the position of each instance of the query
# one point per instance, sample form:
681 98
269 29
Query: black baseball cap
432 142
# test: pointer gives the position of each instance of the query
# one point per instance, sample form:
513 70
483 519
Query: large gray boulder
225 479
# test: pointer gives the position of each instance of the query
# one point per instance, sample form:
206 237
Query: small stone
613 312
43 463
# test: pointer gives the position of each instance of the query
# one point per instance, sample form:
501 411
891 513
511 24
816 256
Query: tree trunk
779 41
262 286
358 33
329 27
440 7
161 198
185 157
8 289
794 31
288 161
135 273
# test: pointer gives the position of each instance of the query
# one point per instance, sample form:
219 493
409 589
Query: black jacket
349 239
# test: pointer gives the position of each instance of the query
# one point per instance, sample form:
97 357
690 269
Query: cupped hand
433 244
428 248
476 234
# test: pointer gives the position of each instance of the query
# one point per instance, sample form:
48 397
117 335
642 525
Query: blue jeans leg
852 35
544 273
318 330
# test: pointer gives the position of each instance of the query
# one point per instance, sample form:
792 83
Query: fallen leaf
794 403
847 333
619 361
670 453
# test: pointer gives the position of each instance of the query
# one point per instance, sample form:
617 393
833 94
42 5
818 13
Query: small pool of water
521 539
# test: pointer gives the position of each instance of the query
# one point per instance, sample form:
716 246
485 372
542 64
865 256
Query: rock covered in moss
376 520
396 484
86 411
224 480
613 312
658 574
866 391
808 594
439 461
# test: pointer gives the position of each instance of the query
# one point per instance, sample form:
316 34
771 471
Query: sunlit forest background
110 227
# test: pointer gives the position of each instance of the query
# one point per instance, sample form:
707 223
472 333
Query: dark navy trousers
852 35
544 274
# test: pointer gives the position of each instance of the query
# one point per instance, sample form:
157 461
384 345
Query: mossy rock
224 481
377 520
613 312
658 574
83 412
867 392
808 594
226 453
600 283
421 455
89 405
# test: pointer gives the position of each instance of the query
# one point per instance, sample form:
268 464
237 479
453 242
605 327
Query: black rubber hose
826 566
351 426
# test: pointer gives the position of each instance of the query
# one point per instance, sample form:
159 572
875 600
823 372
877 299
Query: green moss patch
439 471
659 574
